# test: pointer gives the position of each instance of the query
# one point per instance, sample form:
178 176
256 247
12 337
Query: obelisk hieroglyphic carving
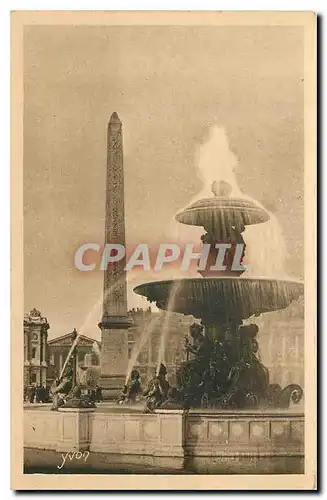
115 322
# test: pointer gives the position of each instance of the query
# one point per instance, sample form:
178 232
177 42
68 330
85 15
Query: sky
170 86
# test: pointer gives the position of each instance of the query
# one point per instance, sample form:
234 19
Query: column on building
41 348
25 346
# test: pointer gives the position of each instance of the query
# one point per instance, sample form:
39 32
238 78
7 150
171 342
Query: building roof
35 317
67 340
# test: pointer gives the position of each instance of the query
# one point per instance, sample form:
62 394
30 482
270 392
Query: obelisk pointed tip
114 118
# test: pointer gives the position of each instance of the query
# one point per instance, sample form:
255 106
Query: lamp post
74 357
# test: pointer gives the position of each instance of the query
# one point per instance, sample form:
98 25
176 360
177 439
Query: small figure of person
39 394
32 393
53 387
92 394
98 393
46 393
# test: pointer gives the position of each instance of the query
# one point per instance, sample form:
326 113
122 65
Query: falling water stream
137 348
83 328
165 326
266 250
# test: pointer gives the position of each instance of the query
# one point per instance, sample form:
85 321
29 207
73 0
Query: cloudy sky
169 85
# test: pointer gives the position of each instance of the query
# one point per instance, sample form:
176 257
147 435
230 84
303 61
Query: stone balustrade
202 441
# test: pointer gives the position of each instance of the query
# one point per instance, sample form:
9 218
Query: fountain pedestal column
114 359
115 321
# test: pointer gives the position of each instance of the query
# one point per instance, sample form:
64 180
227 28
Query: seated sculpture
223 230
75 399
190 373
61 389
248 377
157 390
229 234
132 390
200 347
66 395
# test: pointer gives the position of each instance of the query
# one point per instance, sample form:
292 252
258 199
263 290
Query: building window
34 353
33 378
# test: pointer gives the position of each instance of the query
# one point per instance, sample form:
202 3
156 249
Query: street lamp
74 357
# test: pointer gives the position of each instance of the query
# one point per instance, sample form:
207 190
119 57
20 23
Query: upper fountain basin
222 298
219 209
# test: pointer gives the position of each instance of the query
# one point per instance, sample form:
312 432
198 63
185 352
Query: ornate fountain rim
222 278
197 212
283 291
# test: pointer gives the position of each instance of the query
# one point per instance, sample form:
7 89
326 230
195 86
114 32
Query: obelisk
115 322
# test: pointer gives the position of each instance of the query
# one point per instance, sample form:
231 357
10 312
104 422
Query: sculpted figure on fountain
156 392
131 391
223 230
61 389
248 377
201 346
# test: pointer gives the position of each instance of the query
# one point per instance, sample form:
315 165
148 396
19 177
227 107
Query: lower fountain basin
112 440
223 297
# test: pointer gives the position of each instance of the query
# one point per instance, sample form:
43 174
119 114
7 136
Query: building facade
281 344
35 348
157 336
160 336
280 337
88 352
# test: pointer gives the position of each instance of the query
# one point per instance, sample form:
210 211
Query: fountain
225 372
224 416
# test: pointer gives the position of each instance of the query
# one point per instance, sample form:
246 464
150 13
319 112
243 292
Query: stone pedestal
77 430
114 357
68 429
113 360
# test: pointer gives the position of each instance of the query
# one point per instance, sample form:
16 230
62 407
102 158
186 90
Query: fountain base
225 373
197 441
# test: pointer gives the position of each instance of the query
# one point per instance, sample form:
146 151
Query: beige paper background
179 482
